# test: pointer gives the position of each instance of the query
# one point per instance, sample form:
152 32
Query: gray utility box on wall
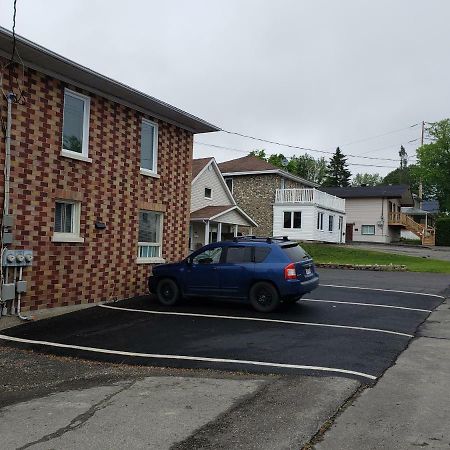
17 258
8 292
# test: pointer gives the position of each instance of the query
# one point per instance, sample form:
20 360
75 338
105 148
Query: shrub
443 231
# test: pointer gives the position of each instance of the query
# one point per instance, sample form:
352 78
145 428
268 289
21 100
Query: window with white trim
368 229
208 193
149 147
292 219
66 226
75 141
320 221
150 235
330 223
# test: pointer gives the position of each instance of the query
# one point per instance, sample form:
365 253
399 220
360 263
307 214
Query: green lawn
337 254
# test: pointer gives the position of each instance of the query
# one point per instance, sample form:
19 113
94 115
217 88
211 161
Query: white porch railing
310 196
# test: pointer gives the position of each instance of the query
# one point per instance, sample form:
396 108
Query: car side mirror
189 261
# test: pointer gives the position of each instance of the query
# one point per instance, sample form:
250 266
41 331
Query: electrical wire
380 135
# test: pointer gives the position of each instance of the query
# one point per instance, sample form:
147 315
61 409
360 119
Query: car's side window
261 254
239 255
210 256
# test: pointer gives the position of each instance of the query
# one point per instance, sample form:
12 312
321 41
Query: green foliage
407 175
433 163
304 166
367 179
443 231
338 174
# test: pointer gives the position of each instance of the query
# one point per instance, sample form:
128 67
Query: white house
309 215
215 215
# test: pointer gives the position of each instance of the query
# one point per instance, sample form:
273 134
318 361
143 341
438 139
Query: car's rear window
294 252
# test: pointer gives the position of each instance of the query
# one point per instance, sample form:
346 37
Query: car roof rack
268 239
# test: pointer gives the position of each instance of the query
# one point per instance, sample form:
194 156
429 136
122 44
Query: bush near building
443 231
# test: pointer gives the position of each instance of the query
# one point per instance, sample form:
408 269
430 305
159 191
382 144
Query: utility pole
422 136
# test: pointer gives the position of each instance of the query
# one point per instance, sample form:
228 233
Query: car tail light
289 272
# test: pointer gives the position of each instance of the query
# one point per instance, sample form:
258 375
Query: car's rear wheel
168 292
264 297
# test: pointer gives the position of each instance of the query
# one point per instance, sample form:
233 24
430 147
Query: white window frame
208 198
320 217
147 172
152 259
331 222
292 220
84 155
368 234
74 236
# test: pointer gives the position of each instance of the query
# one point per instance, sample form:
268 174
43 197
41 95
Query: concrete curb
376 267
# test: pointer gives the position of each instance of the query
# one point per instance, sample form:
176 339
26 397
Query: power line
380 135
247 152
303 148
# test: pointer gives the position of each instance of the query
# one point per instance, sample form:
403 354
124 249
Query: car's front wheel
168 292
264 297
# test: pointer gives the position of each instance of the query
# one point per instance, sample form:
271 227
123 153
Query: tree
338 174
433 163
367 179
261 154
403 176
308 167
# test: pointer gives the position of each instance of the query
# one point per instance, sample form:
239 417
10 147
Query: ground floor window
320 221
66 226
368 229
292 219
330 223
150 235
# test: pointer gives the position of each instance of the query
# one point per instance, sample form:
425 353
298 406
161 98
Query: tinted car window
210 256
238 255
261 254
295 252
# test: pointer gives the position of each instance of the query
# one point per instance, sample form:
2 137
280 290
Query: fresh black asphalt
365 351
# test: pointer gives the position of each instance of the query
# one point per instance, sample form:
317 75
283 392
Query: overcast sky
315 73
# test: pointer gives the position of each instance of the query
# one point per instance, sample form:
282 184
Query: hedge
443 231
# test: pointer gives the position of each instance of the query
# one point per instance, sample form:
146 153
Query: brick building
100 179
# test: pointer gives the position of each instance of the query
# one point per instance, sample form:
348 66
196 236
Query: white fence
310 196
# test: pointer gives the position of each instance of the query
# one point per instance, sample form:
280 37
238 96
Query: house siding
110 189
209 179
370 211
255 194
308 230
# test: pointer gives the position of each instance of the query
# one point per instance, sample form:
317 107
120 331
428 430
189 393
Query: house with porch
374 213
284 204
99 183
215 216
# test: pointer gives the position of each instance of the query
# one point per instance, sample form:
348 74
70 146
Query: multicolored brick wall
110 189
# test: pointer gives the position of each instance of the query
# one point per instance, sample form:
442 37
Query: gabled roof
214 212
198 165
252 165
401 191
57 66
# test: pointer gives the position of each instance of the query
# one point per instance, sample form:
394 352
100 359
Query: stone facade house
283 204
100 182
215 215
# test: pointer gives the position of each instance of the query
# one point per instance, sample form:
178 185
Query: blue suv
265 271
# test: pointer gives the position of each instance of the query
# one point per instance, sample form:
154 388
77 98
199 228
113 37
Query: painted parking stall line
257 319
382 290
187 357
341 302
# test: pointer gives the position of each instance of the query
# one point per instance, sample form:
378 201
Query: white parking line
184 357
364 304
255 319
383 290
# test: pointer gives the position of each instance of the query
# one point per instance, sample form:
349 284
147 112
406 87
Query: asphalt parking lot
342 330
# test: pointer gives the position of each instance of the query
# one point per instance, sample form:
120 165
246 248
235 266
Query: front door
349 232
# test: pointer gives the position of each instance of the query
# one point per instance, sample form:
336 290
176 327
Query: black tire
264 297
168 292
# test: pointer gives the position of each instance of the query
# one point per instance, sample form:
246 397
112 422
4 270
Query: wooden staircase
426 234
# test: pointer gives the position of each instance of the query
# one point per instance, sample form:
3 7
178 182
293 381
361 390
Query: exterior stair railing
427 234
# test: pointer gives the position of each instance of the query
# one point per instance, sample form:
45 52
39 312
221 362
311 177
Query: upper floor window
75 141
149 147
208 193
67 222
229 182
